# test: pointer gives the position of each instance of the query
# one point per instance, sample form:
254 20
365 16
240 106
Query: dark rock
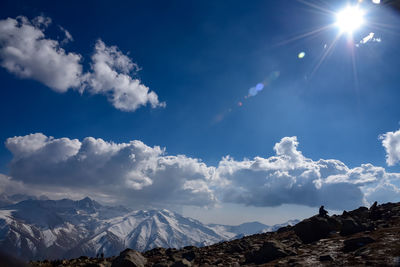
190 255
162 264
350 226
129 258
90 265
284 229
171 251
181 263
269 251
218 261
236 248
356 243
155 252
361 213
315 228
325 258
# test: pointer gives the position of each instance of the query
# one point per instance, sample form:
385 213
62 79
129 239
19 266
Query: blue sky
201 58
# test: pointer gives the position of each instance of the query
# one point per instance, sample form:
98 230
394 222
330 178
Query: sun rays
350 22
350 19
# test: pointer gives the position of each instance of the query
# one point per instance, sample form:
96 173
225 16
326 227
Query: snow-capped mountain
34 229
143 230
38 229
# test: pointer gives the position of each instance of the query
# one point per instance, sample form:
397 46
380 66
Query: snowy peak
143 230
38 229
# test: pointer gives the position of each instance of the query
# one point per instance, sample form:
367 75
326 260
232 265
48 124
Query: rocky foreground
359 237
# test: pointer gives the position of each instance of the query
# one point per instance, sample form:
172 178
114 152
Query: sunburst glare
350 19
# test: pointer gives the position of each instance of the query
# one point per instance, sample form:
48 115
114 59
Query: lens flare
350 19
301 55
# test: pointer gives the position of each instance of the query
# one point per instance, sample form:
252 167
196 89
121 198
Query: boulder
91 264
361 213
269 251
350 226
189 255
129 258
284 229
238 248
356 243
155 252
163 264
325 258
181 263
315 228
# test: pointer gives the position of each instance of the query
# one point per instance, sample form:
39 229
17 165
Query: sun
350 19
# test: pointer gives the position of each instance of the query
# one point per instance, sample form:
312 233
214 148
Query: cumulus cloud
385 192
136 173
291 178
110 76
26 52
391 143
127 171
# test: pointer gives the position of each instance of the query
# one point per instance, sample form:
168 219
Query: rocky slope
359 237
49 229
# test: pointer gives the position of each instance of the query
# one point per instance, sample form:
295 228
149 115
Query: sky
224 111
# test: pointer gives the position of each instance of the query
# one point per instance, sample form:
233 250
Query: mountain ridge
39 229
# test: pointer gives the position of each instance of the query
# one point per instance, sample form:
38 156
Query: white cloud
385 192
26 52
110 76
136 173
9 186
127 171
291 178
391 143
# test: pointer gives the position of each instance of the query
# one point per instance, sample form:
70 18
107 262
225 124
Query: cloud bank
291 178
136 173
26 52
130 171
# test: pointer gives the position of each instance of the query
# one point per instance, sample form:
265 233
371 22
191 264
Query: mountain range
50 229
361 237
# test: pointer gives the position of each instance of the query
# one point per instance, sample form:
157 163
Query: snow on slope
39 229
143 230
